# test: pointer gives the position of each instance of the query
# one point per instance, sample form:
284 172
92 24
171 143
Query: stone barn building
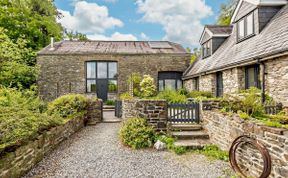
102 68
252 52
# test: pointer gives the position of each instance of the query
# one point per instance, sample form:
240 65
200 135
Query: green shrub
22 118
180 150
196 94
212 151
252 102
172 96
126 96
110 102
137 134
243 115
68 105
21 100
169 141
147 86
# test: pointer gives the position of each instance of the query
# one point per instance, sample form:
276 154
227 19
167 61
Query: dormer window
206 49
245 27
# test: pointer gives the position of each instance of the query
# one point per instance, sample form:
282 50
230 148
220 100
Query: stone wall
155 111
223 129
62 74
188 84
277 79
16 164
233 80
207 83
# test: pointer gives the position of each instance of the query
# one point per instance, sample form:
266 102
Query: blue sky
180 21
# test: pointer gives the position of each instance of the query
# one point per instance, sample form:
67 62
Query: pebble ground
96 152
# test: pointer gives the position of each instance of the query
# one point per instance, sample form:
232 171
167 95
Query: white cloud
89 18
114 37
144 36
181 19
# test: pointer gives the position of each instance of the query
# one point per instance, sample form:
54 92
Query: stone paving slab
96 152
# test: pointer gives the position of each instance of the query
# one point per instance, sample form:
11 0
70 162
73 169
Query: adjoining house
253 51
102 68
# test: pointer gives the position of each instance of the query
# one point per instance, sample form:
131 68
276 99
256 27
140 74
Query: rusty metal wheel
259 146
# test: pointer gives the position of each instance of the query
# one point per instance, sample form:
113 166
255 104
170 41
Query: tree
16 69
196 53
226 12
135 80
32 20
75 36
15 51
25 27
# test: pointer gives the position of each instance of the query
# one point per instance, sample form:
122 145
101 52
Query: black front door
102 89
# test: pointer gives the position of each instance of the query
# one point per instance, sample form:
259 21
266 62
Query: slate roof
112 47
273 39
220 30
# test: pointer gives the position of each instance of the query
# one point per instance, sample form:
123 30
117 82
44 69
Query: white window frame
244 20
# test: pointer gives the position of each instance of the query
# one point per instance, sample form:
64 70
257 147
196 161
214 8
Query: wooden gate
184 112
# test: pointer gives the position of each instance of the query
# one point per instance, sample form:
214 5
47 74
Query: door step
108 107
192 144
111 121
185 127
108 110
190 135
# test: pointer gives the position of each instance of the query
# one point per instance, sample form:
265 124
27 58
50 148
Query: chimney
52 44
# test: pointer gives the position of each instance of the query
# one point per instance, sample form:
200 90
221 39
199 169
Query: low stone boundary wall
155 111
223 129
17 163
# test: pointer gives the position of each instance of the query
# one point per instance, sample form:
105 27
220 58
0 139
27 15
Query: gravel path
96 152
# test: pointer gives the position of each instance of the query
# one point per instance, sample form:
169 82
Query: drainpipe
263 83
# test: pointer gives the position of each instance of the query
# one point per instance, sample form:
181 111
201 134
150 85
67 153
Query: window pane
170 84
251 77
91 86
112 69
241 33
161 85
91 67
102 70
179 84
208 48
250 25
195 84
112 86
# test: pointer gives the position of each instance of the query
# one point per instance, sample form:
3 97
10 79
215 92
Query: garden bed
17 163
30 128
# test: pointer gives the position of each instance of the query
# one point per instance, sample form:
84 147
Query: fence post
197 112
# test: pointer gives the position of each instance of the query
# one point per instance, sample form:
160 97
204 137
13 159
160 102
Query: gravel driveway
96 152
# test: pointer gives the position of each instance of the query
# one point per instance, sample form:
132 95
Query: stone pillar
94 111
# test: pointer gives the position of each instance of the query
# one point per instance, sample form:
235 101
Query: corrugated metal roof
273 39
112 47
